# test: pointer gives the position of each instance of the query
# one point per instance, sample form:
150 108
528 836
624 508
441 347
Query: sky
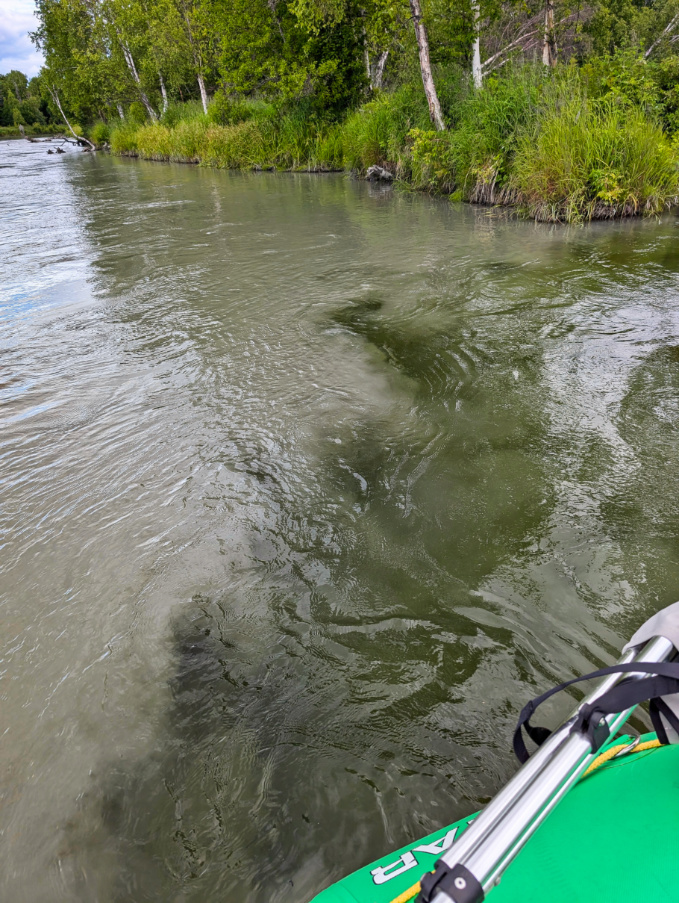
16 50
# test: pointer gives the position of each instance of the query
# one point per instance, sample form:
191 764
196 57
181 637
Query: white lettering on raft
436 848
386 872
409 861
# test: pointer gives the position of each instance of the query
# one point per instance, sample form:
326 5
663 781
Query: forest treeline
24 102
565 107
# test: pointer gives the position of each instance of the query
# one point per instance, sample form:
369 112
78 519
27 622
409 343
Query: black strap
628 693
656 708
456 881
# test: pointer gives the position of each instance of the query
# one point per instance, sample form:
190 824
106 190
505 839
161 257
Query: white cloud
17 18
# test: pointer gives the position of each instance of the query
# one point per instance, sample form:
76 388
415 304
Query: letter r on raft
386 872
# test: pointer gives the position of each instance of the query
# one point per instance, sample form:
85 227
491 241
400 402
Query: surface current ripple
306 486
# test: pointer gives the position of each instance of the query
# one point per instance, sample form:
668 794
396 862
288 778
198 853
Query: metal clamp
457 883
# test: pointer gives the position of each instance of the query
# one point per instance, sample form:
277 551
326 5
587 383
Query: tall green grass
594 159
537 141
376 134
475 157
238 135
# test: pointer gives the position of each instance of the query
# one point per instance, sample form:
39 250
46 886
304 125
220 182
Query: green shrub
136 113
190 111
224 110
172 115
434 160
99 133
475 157
666 75
624 76
453 86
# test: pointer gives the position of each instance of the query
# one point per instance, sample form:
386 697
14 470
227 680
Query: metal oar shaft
499 832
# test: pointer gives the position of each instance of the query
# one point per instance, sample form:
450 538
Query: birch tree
425 66
197 34
477 72
549 37
79 59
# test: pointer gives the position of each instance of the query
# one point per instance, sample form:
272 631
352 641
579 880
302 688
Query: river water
306 486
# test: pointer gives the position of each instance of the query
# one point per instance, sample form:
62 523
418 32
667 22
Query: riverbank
31 131
550 147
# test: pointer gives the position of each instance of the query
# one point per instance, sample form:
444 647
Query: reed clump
594 160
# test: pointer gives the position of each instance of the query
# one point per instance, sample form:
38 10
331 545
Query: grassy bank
553 146
32 131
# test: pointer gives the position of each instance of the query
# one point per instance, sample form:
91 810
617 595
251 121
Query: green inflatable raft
590 816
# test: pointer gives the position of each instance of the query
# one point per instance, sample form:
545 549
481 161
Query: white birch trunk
129 59
121 112
163 91
203 92
549 40
668 28
378 74
477 72
425 67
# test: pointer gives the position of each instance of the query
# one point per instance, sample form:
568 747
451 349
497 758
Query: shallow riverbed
306 486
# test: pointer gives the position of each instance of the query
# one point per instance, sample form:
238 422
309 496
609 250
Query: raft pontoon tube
586 850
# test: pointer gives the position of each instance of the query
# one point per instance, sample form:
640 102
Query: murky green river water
305 488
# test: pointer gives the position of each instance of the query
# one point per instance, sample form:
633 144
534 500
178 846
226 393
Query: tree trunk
203 92
121 112
477 74
378 72
163 92
129 59
55 97
549 41
668 28
425 67
366 60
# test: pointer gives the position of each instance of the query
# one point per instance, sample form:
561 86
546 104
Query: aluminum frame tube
498 833
487 819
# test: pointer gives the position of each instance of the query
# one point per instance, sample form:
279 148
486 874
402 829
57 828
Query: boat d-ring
628 748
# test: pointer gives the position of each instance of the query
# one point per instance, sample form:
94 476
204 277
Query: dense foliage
22 102
565 107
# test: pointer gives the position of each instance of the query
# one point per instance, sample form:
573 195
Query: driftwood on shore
62 139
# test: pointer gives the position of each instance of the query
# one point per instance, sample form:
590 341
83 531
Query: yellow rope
407 894
610 753
614 750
